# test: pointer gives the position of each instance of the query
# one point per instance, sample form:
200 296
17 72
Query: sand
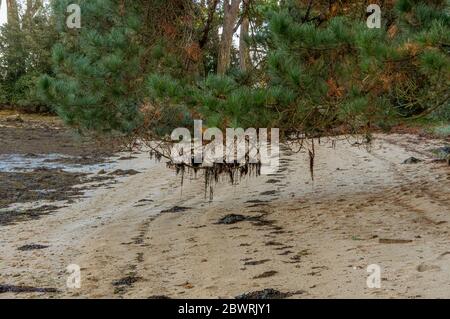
312 239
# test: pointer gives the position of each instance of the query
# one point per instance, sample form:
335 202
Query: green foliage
335 76
24 56
127 68
97 67
442 131
109 70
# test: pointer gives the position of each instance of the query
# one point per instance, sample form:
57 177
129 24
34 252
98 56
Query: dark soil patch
256 201
13 217
198 227
394 241
269 193
39 135
267 294
43 184
176 209
143 203
159 297
257 262
126 281
40 184
46 135
231 219
122 284
284 247
140 257
266 274
32 247
25 289
412 160
261 222
298 257
258 221
121 172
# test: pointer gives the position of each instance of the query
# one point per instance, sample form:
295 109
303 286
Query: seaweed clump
232 172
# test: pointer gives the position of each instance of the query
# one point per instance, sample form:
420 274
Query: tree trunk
231 12
13 13
244 52
32 8
212 6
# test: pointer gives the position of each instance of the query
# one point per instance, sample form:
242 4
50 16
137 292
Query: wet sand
37 134
146 236
43 161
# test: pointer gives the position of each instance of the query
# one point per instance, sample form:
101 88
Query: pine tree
101 68
323 71
97 67
327 73
336 73
423 30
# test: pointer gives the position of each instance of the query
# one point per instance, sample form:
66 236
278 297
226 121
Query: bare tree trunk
32 8
231 12
212 6
13 12
244 52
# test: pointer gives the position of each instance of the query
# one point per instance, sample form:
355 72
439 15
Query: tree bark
13 12
231 12
32 8
244 51
212 6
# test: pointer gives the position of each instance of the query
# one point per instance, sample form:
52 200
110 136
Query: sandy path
316 238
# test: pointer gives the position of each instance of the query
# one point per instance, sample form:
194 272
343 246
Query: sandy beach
147 236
